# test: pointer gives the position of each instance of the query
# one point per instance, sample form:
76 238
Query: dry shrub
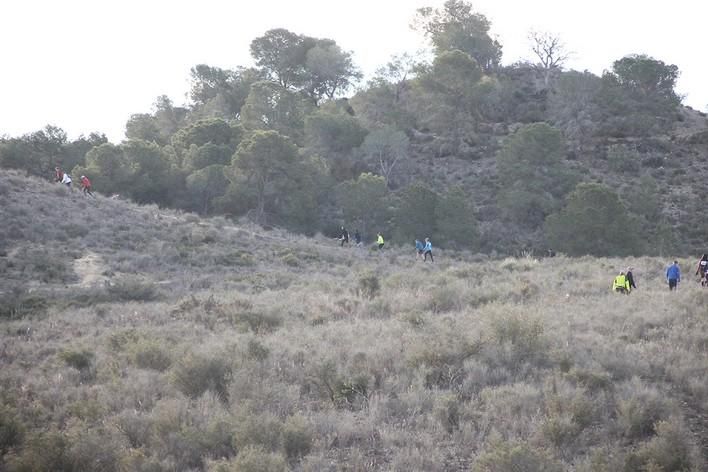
509 457
131 288
521 336
81 360
368 286
297 437
639 408
11 429
258 322
256 350
196 374
263 430
18 303
669 450
252 459
151 354
444 298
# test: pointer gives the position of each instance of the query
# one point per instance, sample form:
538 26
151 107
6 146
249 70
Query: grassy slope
135 338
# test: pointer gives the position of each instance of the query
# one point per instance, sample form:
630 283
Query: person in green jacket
621 284
379 240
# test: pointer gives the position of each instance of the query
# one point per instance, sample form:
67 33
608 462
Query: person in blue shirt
419 249
428 250
673 275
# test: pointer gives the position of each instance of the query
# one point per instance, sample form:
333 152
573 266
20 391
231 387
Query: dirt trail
90 269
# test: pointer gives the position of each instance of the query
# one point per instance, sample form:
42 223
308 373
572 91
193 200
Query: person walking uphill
428 250
343 236
621 284
673 275
702 268
379 240
66 179
86 185
630 278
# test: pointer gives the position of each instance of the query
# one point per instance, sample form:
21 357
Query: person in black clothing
630 279
344 236
357 238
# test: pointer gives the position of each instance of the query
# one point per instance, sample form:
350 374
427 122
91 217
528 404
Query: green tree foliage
270 106
36 153
455 221
648 76
317 67
532 175
386 99
329 70
220 93
386 150
457 27
142 126
273 181
333 133
206 184
150 172
572 107
365 203
593 221
206 142
107 168
415 213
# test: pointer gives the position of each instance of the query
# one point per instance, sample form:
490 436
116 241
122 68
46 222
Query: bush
640 411
11 429
18 303
132 289
262 430
508 457
669 450
79 360
149 354
195 374
297 437
252 459
44 451
258 322
369 286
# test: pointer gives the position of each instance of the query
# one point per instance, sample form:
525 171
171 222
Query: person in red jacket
86 185
58 174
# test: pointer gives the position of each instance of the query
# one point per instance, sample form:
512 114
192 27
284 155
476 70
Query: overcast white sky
87 65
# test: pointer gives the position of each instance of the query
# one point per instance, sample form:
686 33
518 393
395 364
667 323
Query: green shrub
252 459
43 451
256 350
443 299
196 374
368 286
669 450
18 303
257 322
130 288
11 429
150 354
297 437
509 457
263 430
638 414
79 360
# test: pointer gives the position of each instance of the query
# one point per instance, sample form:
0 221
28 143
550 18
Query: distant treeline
279 144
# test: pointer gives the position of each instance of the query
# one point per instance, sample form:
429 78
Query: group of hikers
423 250
64 178
624 282
344 238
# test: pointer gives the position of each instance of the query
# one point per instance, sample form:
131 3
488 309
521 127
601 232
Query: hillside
135 338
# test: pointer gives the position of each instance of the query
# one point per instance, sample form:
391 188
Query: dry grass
208 346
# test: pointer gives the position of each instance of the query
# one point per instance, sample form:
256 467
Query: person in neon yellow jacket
621 284
379 240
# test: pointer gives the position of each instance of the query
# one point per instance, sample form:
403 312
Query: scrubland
139 339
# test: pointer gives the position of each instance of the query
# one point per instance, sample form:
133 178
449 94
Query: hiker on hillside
343 236
702 268
673 275
86 185
630 278
428 250
379 240
66 180
58 174
357 238
621 284
419 249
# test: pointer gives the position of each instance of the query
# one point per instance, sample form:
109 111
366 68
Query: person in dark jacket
344 236
357 238
630 278
702 268
673 275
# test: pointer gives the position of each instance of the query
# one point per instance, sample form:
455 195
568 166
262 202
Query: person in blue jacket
428 250
419 249
673 275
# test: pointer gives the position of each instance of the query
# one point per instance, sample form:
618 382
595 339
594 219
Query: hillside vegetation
135 338
451 144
